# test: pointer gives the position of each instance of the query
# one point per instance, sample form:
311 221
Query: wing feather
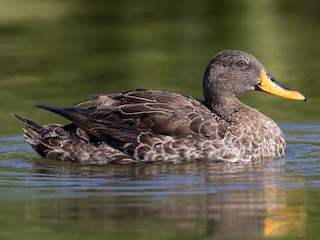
121 118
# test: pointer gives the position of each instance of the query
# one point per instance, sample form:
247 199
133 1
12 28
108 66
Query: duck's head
231 73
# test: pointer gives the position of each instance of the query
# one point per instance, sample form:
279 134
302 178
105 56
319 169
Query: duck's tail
34 134
69 143
30 124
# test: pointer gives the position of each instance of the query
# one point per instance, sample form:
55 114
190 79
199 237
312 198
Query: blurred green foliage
58 52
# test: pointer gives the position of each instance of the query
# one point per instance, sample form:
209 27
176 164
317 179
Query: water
47 199
60 52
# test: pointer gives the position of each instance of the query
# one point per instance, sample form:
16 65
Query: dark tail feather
81 118
76 115
33 125
32 133
73 114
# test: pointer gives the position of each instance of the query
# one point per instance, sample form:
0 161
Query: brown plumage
152 125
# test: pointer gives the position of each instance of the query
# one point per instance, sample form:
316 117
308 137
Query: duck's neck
228 108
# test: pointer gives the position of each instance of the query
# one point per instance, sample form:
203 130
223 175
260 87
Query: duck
154 126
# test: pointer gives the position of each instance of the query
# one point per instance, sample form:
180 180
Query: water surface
47 199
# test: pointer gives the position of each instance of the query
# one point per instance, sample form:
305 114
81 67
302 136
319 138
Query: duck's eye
242 64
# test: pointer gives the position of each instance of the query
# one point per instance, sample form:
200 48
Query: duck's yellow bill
270 85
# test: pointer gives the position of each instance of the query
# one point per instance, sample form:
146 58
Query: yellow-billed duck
160 126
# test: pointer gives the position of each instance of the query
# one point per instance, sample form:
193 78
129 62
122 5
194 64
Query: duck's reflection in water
203 198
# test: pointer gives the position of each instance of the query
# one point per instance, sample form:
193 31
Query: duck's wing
157 112
121 119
